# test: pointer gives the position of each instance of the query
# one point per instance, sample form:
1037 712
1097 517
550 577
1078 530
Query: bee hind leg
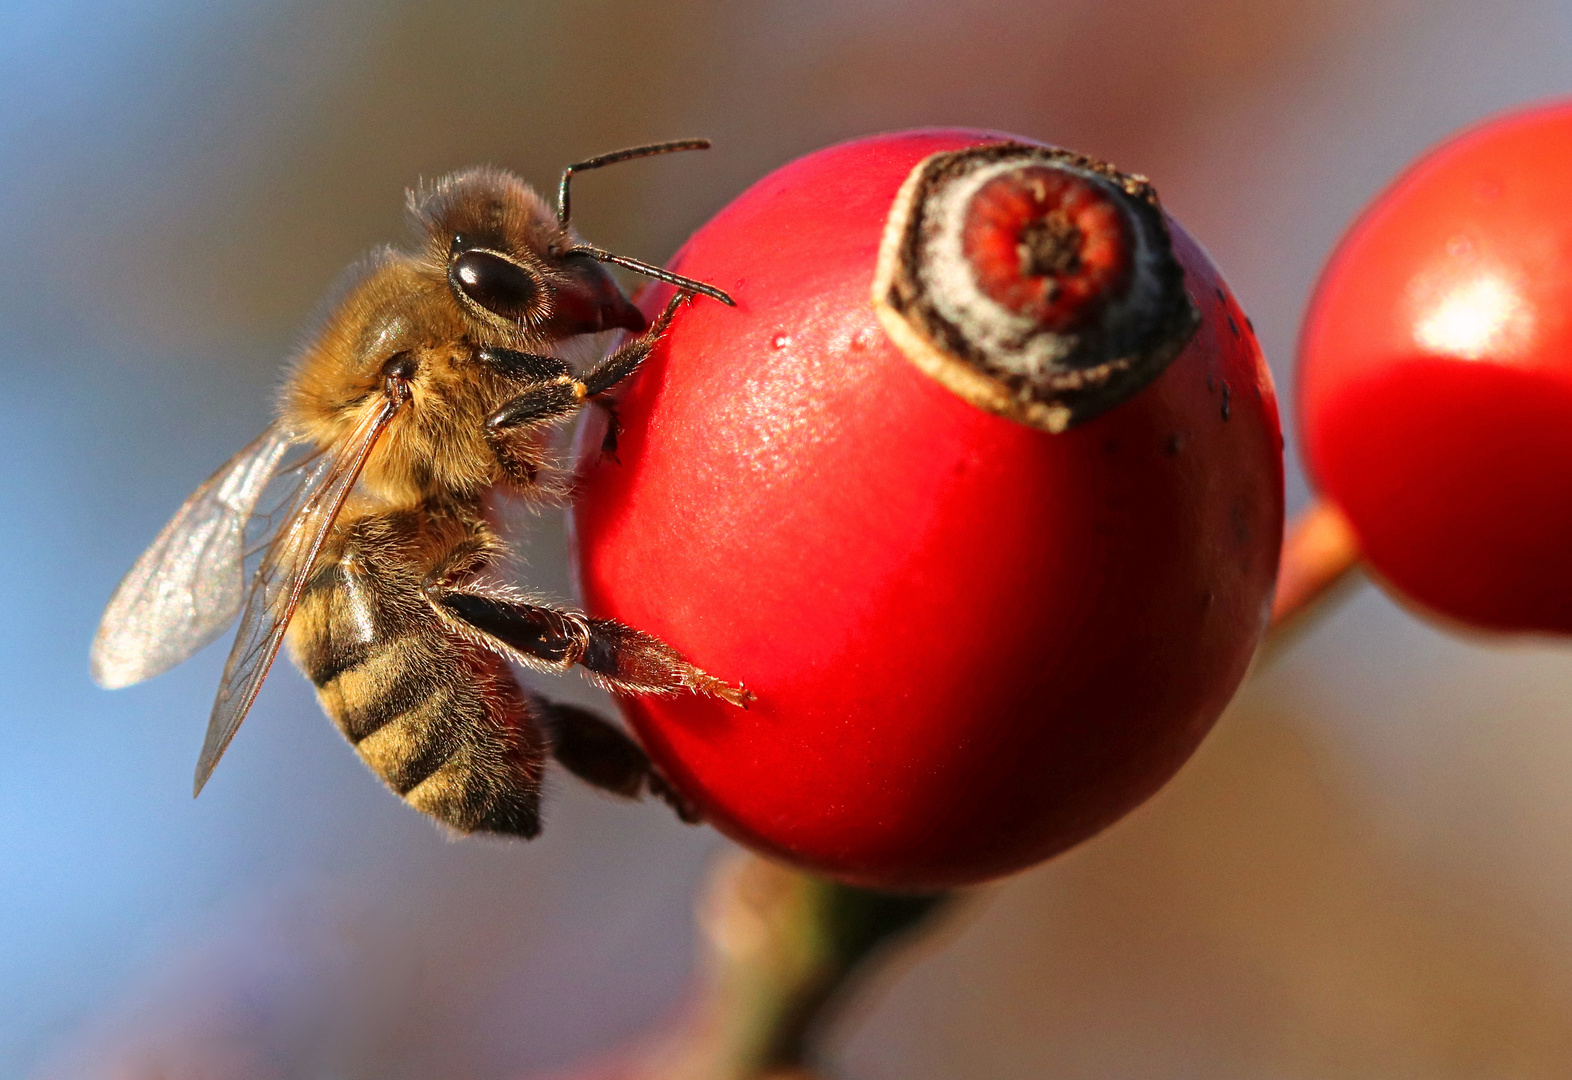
616 656
601 754
633 662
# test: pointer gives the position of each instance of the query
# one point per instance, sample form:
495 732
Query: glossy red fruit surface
1435 379
974 643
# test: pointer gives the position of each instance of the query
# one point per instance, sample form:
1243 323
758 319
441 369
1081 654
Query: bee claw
661 788
608 442
738 695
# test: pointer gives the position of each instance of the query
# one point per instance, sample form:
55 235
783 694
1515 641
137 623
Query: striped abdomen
440 719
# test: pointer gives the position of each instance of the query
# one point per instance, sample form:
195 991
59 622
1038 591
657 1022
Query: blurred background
1363 873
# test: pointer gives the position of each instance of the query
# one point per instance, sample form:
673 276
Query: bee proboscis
430 385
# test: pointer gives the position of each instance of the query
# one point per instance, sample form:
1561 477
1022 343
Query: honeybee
430 385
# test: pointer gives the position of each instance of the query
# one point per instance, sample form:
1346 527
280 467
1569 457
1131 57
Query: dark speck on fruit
1239 519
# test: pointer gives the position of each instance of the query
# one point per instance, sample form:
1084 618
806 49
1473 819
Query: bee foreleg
625 361
539 402
523 366
601 754
558 394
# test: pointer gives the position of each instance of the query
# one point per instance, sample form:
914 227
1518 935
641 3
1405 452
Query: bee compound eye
501 287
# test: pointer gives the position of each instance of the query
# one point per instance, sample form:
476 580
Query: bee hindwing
187 587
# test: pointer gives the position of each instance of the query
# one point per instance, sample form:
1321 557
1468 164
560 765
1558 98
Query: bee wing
186 587
286 564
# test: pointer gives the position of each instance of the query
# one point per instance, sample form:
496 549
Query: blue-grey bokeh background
1364 872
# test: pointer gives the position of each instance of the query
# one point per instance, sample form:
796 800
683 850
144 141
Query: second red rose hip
1435 382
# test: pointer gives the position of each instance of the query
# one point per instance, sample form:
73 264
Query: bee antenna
636 265
613 158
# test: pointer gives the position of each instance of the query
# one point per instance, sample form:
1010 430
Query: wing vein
286 567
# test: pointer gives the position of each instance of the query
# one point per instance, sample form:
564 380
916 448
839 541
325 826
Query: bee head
510 266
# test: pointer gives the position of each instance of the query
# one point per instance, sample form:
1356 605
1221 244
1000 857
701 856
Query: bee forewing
286 565
186 587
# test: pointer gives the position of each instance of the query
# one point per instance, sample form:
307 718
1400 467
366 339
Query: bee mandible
432 383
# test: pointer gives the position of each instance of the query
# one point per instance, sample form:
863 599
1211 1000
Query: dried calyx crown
1033 282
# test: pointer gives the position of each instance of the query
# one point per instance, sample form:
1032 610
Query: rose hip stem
778 952
1320 551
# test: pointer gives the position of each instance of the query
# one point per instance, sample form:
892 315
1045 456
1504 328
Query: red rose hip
1435 377
992 552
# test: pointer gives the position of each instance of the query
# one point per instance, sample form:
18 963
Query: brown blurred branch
780 951
1319 562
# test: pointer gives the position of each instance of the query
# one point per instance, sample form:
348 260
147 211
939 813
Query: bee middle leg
601 754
